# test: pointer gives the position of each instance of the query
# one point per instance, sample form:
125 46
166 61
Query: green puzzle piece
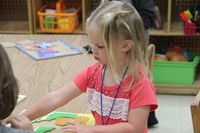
44 129
55 115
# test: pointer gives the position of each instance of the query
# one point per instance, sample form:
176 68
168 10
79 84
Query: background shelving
15 16
173 34
87 7
170 9
20 16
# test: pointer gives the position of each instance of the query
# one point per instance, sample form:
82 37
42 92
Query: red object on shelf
190 28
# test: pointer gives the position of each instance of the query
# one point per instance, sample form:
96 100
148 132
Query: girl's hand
20 122
75 127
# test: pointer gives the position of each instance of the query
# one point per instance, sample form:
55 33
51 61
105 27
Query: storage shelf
159 32
15 16
172 31
176 28
169 9
155 32
79 30
14 27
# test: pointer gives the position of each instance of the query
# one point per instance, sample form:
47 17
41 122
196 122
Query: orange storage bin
63 17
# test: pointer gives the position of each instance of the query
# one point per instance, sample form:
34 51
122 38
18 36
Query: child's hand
20 122
74 127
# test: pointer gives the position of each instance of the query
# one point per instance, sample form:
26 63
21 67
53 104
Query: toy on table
48 49
53 122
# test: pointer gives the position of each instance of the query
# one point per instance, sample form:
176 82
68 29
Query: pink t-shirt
141 94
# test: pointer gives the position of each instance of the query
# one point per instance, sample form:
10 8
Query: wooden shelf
159 32
173 26
16 16
79 30
14 27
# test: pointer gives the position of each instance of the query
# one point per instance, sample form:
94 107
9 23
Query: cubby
15 16
87 7
173 34
170 9
190 42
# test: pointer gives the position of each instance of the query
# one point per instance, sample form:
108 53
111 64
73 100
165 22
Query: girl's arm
52 101
21 122
137 121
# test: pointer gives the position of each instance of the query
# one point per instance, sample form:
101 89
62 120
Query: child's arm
52 101
137 120
20 123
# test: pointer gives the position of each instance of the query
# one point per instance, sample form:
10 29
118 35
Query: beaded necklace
114 96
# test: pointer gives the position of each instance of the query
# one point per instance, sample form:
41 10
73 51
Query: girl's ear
126 46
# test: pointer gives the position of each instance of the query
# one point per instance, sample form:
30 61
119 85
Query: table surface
37 78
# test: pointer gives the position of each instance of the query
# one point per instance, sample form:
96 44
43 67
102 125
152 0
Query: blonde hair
117 21
103 1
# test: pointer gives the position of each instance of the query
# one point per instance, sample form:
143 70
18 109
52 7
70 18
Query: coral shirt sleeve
143 94
81 80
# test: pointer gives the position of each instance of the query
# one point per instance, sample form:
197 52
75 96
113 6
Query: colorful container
64 20
168 72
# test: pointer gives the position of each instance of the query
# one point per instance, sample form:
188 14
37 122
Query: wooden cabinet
15 16
173 34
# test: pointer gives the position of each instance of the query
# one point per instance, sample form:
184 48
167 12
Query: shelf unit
170 9
173 33
20 16
15 16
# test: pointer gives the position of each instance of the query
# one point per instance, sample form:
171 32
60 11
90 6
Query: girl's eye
100 46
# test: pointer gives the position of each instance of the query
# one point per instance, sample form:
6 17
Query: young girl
146 9
8 97
118 90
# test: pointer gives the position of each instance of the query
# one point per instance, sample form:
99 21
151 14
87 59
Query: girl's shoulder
94 68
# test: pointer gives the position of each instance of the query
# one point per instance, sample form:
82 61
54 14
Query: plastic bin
63 20
168 72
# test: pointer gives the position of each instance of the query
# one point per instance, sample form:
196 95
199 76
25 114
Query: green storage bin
168 72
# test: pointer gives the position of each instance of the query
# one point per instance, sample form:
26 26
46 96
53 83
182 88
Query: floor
173 114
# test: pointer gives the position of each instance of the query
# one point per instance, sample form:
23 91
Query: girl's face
98 47
99 50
